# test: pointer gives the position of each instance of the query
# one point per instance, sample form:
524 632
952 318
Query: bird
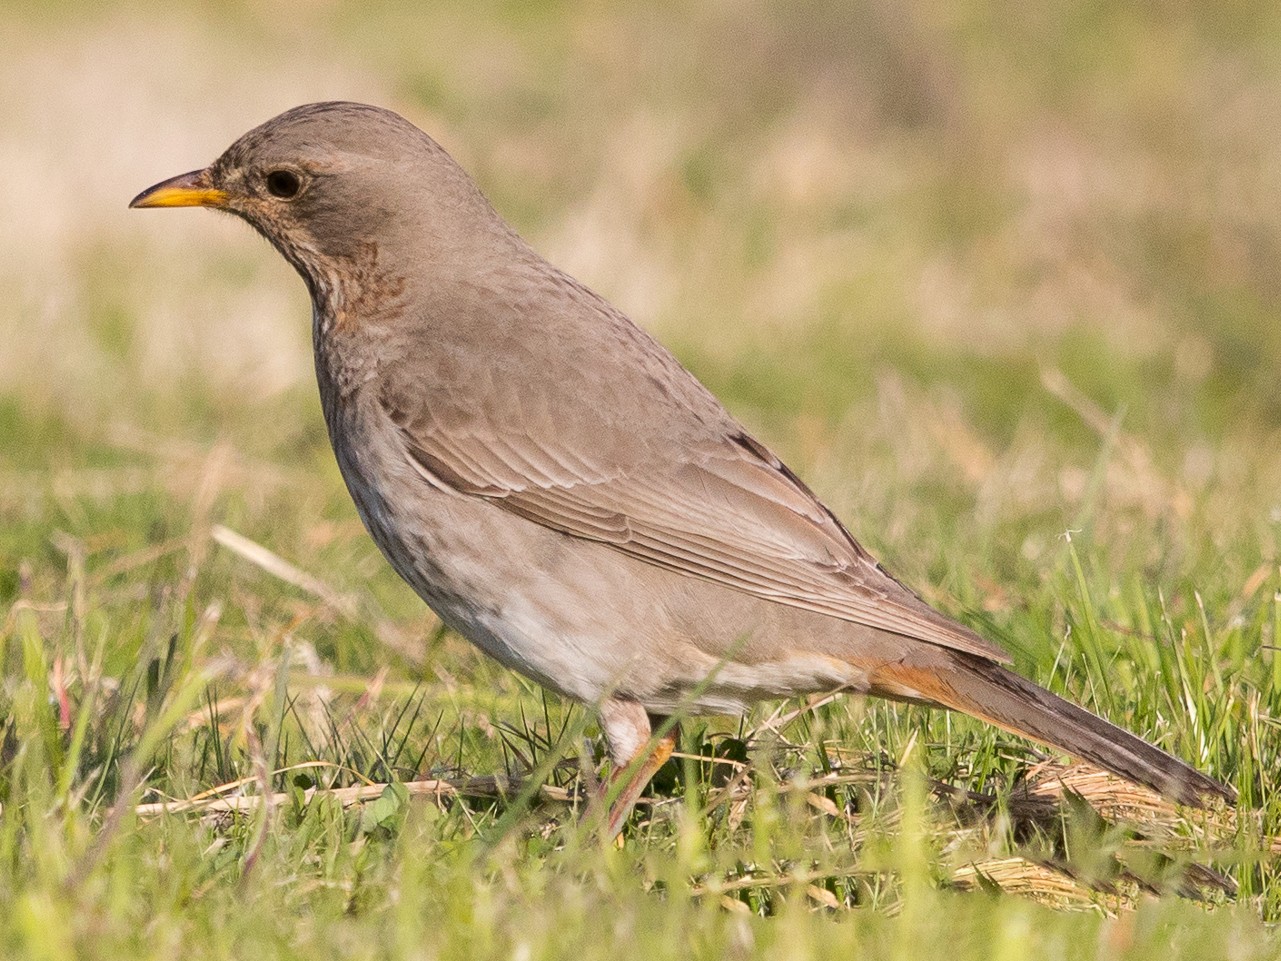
566 495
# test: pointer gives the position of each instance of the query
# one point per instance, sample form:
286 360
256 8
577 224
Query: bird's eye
283 184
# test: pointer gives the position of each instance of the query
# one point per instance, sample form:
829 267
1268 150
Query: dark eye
283 184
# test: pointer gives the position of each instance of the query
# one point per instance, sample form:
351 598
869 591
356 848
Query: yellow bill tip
193 189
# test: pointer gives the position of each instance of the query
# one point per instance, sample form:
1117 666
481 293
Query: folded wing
728 512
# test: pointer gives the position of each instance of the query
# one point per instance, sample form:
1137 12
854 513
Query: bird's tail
988 691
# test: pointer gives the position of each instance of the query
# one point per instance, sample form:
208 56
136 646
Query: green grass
999 283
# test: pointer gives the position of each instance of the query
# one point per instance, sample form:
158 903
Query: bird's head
342 189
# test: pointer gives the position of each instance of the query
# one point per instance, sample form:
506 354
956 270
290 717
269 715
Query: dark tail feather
1012 703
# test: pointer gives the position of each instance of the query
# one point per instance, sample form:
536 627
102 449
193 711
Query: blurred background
796 196
950 235
984 274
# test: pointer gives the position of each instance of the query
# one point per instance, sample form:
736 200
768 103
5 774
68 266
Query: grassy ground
1000 281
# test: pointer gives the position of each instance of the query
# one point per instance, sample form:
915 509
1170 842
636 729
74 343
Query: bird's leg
637 756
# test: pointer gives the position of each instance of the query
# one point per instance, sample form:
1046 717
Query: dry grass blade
280 568
1113 797
1018 875
760 880
477 787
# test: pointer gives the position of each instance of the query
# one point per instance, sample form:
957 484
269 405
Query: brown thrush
565 494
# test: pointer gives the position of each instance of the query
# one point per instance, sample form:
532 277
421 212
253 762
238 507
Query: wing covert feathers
730 513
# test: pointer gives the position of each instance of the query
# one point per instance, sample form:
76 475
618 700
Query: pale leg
636 756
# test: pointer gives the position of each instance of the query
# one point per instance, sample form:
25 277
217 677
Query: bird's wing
728 512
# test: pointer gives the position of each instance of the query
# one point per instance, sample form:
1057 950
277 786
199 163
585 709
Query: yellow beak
193 189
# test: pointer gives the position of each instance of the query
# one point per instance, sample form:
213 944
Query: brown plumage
561 490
